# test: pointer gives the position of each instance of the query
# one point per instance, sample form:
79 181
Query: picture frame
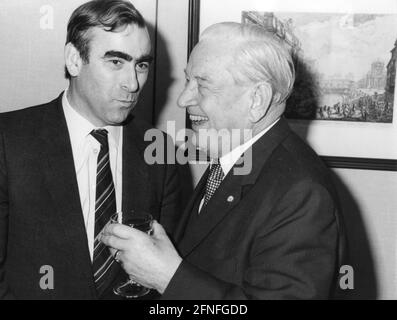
364 146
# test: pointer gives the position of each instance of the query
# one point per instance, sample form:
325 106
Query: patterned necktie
105 207
215 178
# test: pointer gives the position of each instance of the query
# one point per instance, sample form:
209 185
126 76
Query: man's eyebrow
200 78
203 78
145 58
118 54
127 57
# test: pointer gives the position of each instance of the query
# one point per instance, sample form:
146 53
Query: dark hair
111 15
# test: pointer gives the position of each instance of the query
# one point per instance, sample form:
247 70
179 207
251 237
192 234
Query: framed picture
345 52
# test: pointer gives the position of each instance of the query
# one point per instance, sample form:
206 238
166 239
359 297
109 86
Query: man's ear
73 60
262 96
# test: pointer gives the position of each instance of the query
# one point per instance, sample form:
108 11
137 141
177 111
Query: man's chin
120 119
208 143
199 125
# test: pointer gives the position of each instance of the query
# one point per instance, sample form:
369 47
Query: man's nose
187 98
130 81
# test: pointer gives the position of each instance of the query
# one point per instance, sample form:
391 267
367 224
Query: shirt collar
79 127
228 160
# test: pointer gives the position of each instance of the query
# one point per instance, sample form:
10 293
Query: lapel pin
230 199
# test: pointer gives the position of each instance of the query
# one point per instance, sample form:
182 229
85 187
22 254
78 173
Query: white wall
171 60
370 209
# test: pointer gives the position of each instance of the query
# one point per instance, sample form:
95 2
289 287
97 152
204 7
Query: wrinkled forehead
130 37
209 52
126 30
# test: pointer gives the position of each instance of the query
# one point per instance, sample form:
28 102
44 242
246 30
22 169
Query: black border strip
194 25
155 63
361 163
332 162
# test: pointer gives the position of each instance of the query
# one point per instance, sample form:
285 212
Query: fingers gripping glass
142 221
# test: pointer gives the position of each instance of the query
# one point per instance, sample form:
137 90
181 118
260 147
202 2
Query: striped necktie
105 207
215 178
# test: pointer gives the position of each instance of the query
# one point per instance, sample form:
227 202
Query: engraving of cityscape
345 63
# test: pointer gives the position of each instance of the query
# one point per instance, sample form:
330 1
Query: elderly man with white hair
274 232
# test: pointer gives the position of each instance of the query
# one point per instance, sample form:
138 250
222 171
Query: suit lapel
135 172
60 178
229 194
226 197
198 191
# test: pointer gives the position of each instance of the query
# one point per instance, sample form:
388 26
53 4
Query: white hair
258 56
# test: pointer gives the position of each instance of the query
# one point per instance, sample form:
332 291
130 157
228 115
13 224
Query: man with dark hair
67 166
99 14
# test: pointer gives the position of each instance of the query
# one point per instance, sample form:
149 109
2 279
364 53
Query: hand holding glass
142 221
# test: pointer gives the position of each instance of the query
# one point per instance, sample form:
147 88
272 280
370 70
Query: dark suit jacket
41 220
272 234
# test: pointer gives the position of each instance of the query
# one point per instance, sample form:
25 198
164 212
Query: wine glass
142 221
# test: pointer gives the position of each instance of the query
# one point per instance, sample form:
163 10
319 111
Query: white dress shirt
85 150
228 160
